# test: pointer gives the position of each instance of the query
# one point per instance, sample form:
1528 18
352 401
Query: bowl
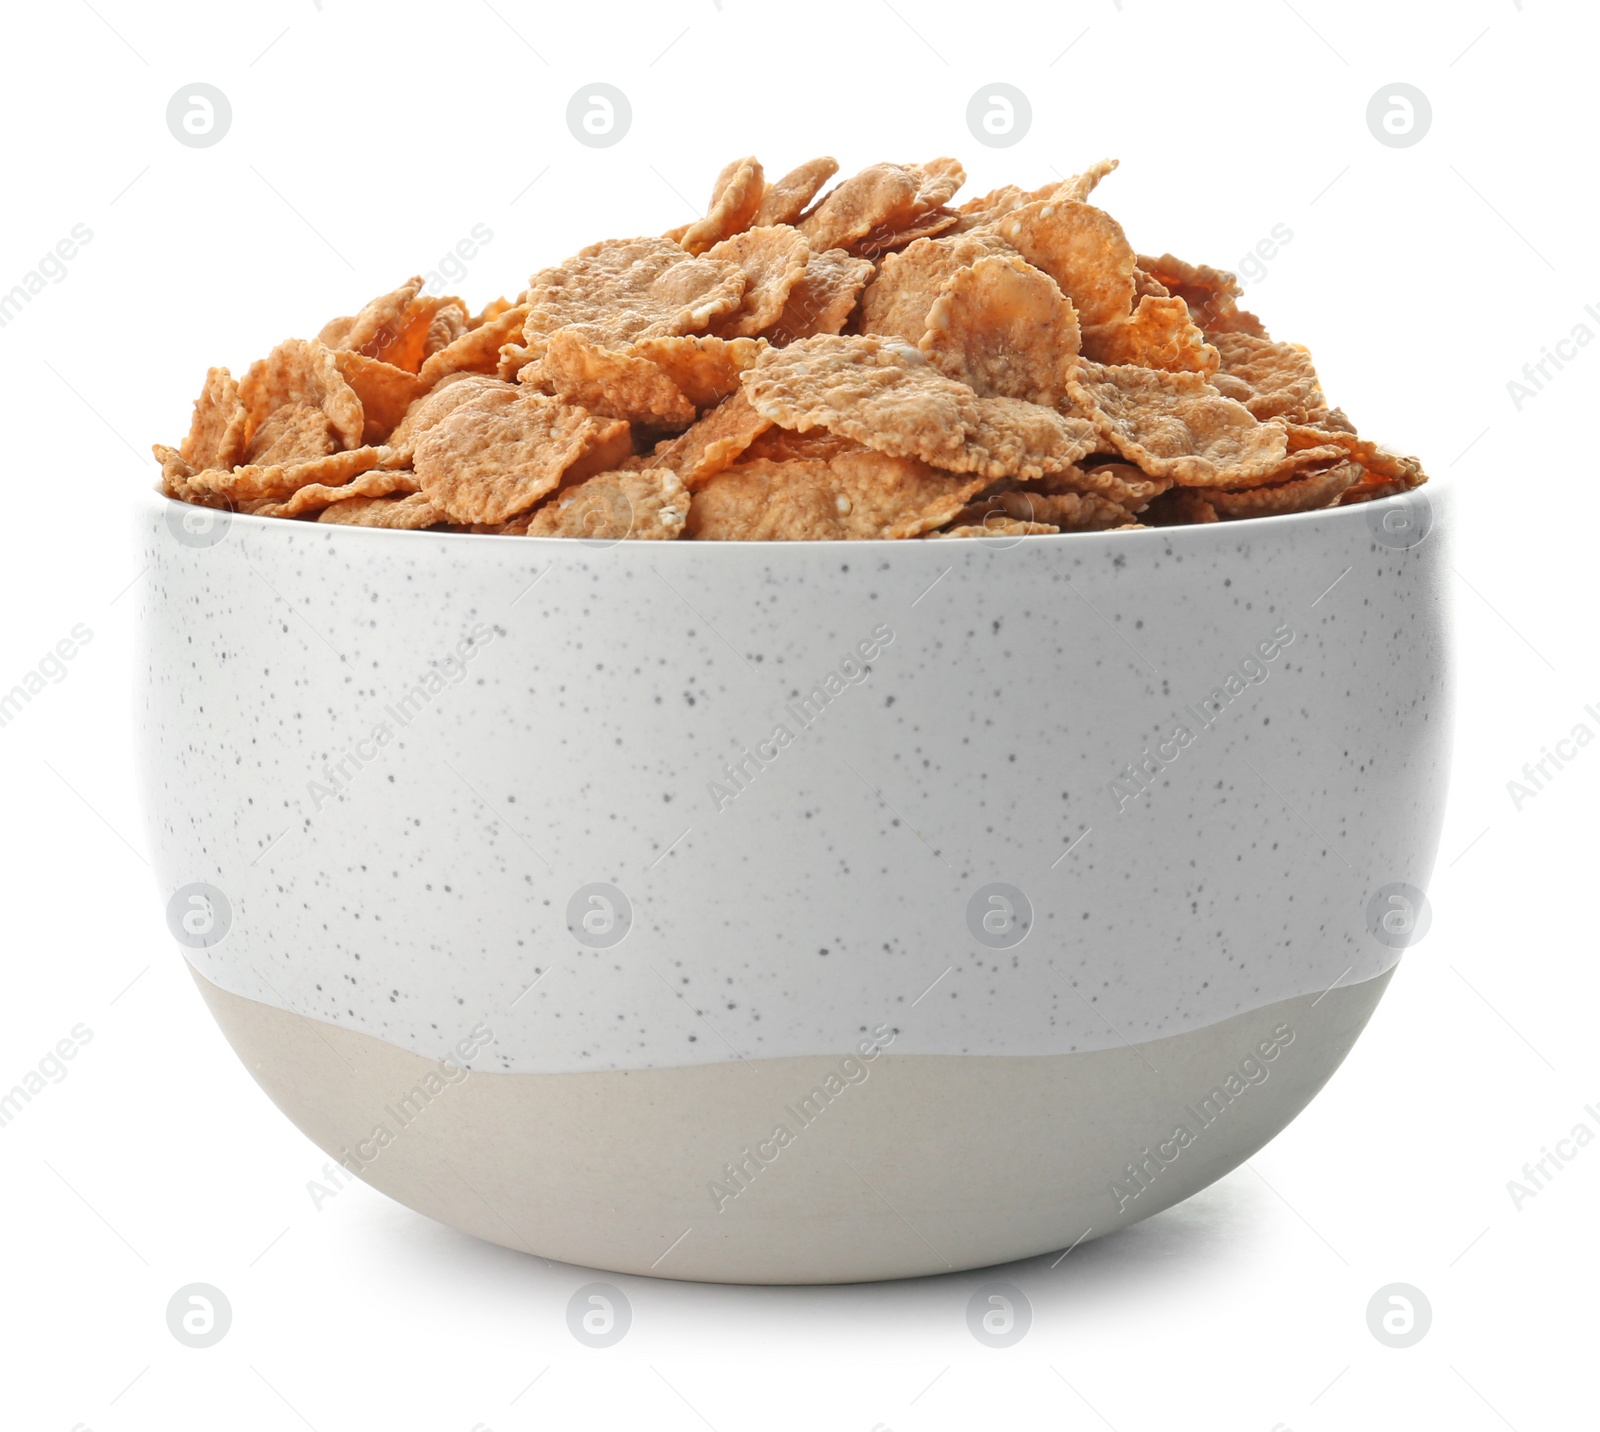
793 913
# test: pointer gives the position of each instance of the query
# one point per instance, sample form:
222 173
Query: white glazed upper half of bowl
404 759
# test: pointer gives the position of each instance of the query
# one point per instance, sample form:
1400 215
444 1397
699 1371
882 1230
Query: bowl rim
154 500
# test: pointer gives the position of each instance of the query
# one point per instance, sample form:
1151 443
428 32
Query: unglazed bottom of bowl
802 1170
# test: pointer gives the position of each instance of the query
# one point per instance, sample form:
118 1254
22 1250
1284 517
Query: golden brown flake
1063 511
315 496
609 383
785 445
735 202
712 443
625 289
1212 294
1279 377
177 480
937 181
891 238
705 368
887 396
1177 425
1119 482
497 454
1081 186
448 395
292 433
897 301
301 373
394 326
404 513
477 350
1159 333
987 208
880 196
280 480
1083 249
824 298
786 199
1299 494
217 430
647 506
447 325
854 496
774 260
1004 329
386 392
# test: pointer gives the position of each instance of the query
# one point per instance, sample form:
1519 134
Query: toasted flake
774 260
447 395
1300 494
625 289
315 496
394 326
784 445
609 383
735 202
858 495
1083 249
301 373
1064 511
1374 486
705 369
887 396
292 433
1279 376
712 443
824 298
177 480
1119 482
386 392
498 453
937 181
477 349
785 199
280 480
1078 188
334 332
1159 333
1146 286
1004 329
406 513
1177 425
447 325
880 196
986 209
1212 294
891 238
1384 473
643 506
217 430
897 301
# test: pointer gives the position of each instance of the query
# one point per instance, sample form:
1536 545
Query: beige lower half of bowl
928 1164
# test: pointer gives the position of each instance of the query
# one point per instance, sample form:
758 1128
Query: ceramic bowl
799 912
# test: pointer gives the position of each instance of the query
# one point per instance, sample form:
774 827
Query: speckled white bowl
632 903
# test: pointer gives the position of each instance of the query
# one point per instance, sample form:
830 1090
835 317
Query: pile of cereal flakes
873 363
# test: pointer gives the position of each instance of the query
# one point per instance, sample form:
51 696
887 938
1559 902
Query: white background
366 140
